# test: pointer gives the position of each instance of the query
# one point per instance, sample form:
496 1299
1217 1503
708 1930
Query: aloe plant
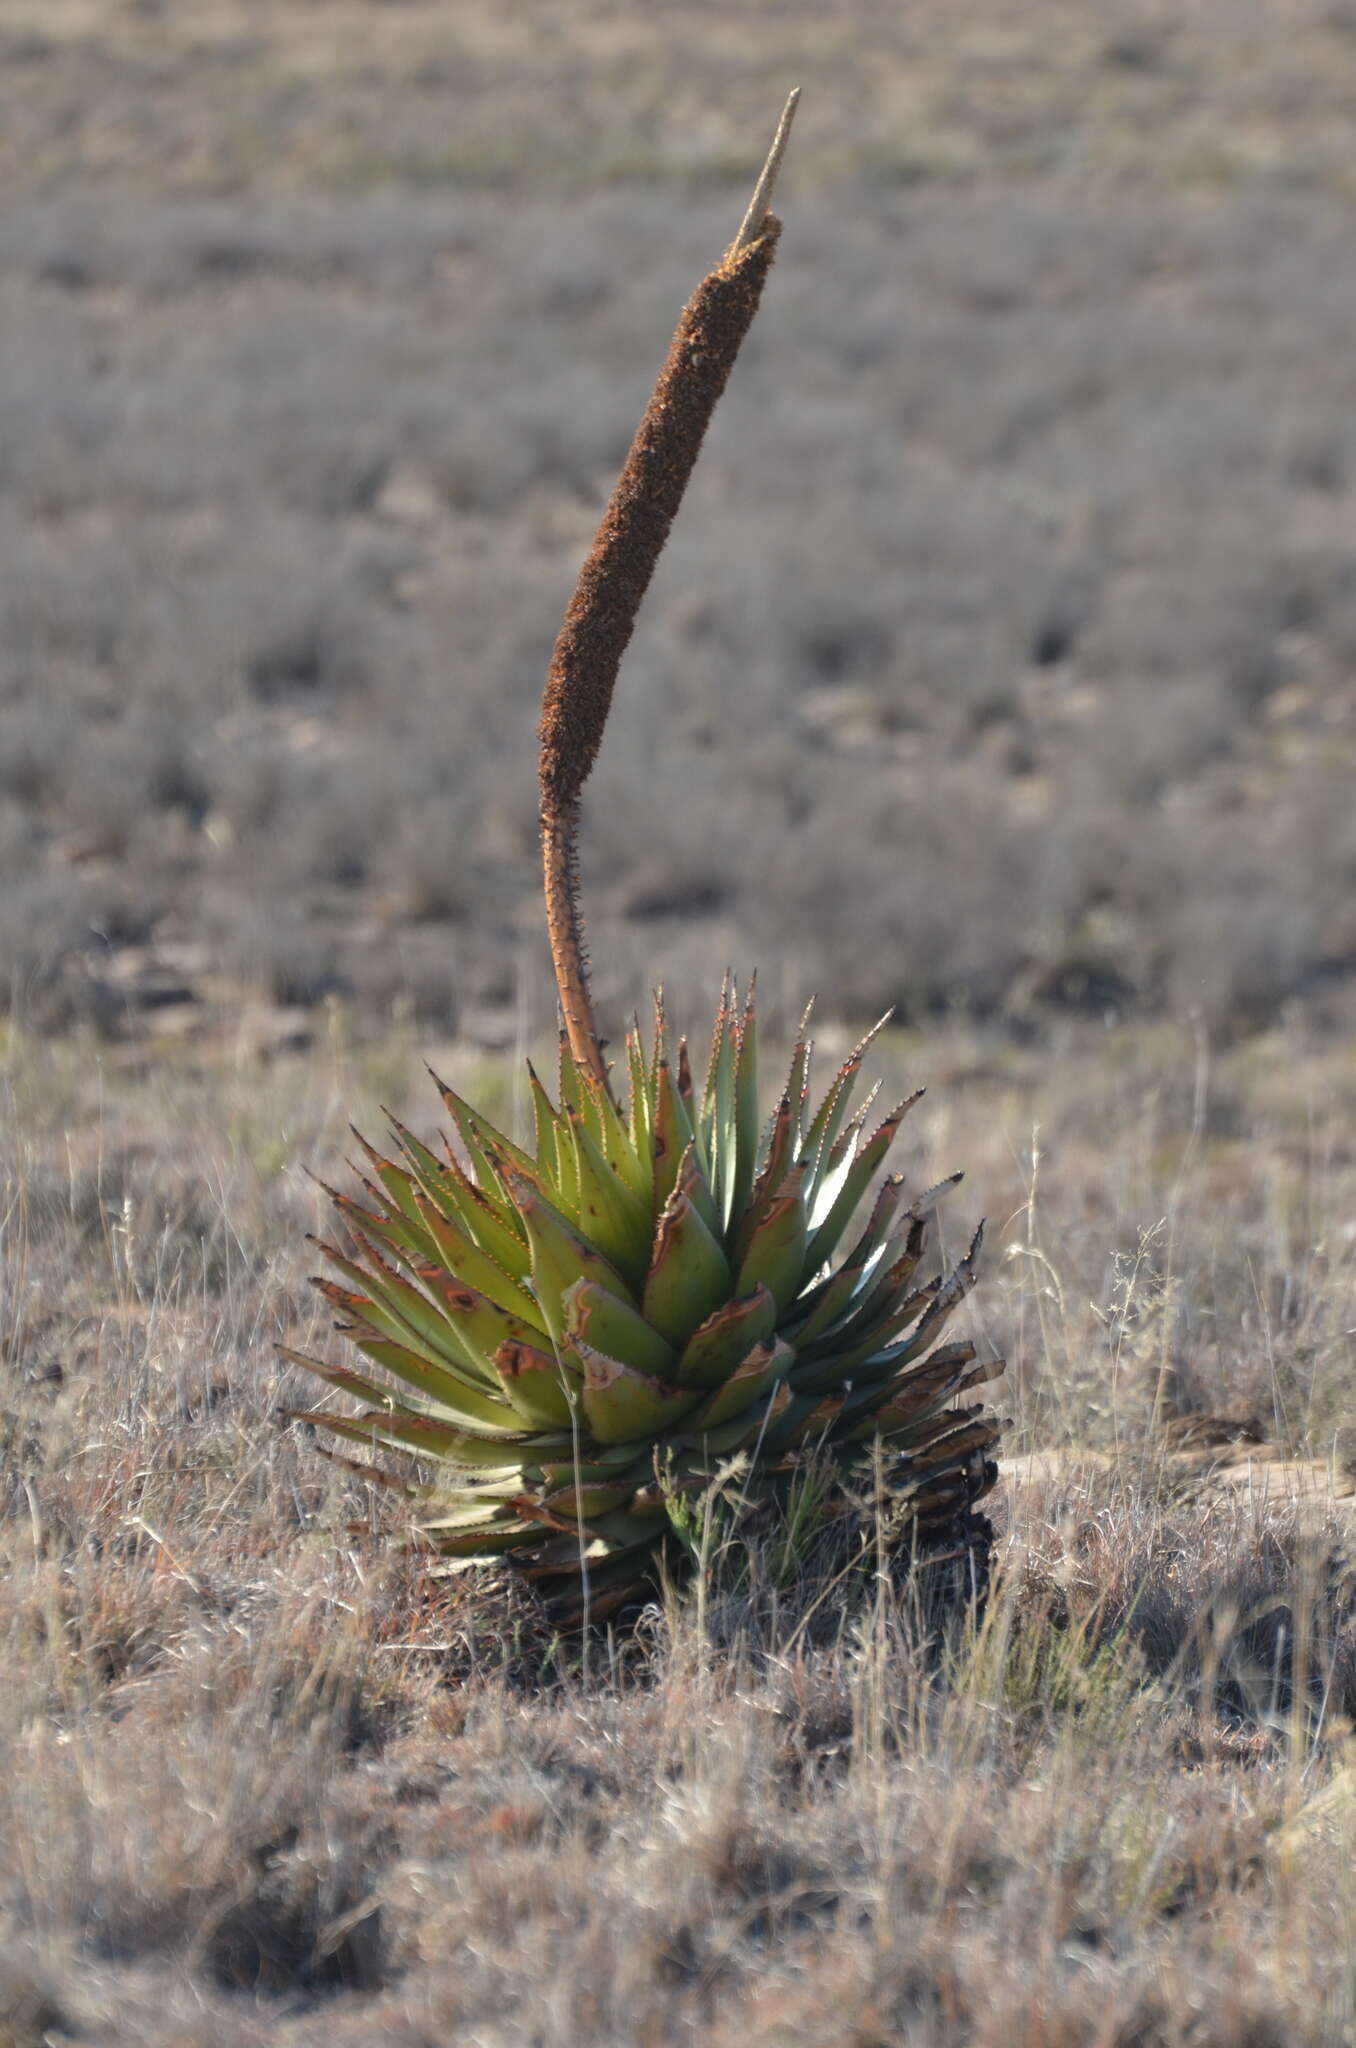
574 1335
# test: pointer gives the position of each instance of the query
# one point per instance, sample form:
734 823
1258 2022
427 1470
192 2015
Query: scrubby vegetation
1031 557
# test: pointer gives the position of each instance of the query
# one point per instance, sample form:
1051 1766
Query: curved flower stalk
575 1336
617 571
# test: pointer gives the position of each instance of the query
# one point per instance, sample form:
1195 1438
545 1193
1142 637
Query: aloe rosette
574 1337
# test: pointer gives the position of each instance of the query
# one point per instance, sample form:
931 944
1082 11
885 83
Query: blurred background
1002 660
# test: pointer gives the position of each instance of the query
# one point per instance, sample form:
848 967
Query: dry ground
263 1782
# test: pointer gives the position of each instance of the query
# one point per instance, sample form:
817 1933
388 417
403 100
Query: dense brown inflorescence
614 579
616 575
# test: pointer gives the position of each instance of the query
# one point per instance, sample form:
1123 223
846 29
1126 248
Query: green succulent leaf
778 1153
752 1425
545 1124
729 1333
672 1140
495 1225
396 1307
630 1167
746 1111
689 1274
480 1324
486 1146
429 1173
604 1322
461 1258
622 1405
798 1077
561 1254
541 1386
775 1258
610 1214
693 1183
640 1101
388 1430
585 1503
843 1292
394 1232
608 1465
436 1392
747 1385
838 1196
824 1127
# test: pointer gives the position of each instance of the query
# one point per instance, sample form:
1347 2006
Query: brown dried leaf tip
602 613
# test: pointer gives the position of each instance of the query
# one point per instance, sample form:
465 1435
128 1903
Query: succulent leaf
836 1202
453 1399
399 1308
541 1386
824 1126
622 1405
640 1102
457 1252
610 1215
746 1109
494 1225
728 1334
606 1323
693 1183
561 1254
767 1363
775 1258
672 1133
613 1139
689 1274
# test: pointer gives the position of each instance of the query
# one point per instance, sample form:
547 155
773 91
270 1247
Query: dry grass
261 1780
